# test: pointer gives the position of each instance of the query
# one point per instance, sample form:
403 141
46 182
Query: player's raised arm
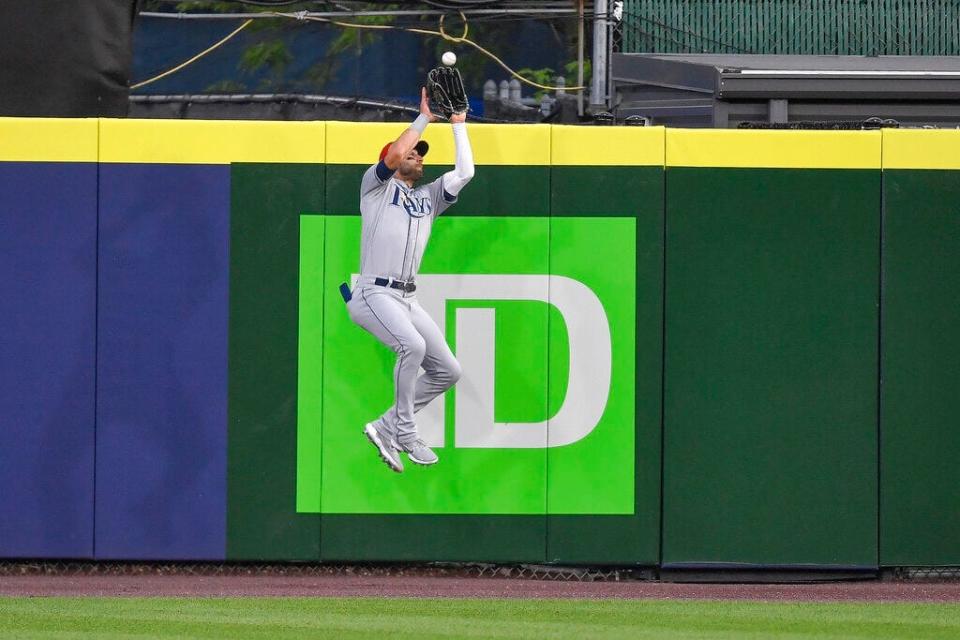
409 138
454 181
392 155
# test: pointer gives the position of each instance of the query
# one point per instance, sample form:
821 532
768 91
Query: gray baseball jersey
397 221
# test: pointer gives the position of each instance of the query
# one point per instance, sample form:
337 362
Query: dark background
65 58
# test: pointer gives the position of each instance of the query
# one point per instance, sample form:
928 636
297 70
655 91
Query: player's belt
407 287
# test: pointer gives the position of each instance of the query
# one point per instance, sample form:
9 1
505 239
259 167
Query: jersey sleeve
375 177
440 196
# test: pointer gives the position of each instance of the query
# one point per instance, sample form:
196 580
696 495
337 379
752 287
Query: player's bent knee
453 373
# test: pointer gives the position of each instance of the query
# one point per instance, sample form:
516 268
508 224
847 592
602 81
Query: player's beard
410 170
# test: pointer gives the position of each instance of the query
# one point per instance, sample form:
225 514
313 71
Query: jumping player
397 217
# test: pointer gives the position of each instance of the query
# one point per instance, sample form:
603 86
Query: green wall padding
266 203
635 193
920 438
770 425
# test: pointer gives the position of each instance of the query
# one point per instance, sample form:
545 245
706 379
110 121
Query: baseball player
397 218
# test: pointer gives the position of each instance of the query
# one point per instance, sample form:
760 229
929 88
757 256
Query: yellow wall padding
211 141
921 149
607 146
493 144
48 139
773 149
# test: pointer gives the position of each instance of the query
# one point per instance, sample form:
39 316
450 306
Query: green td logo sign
540 312
589 356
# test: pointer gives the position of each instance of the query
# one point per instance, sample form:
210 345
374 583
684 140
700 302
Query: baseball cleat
385 445
420 453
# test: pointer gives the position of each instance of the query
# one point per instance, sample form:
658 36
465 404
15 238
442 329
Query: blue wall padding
162 361
48 236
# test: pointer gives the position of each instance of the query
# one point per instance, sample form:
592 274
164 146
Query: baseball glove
446 90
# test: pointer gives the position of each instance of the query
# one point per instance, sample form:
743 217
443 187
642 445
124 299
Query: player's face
411 167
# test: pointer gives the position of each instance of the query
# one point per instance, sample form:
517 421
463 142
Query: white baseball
449 58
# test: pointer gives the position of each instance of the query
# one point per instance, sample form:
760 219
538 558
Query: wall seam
546 461
323 328
663 348
96 340
323 333
880 282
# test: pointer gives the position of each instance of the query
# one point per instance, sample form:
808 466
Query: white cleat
385 445
420 453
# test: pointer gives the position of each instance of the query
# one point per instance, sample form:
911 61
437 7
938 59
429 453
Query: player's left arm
452 182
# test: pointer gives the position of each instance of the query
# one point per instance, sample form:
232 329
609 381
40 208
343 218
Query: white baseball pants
399 322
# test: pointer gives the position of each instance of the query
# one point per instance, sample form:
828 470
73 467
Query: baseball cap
422 147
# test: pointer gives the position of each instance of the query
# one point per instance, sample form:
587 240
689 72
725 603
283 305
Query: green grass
341 618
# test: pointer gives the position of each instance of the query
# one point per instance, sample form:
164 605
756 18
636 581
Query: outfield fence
682 349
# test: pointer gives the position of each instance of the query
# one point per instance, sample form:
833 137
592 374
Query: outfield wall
681 348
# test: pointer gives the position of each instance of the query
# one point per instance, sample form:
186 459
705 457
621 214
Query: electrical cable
194 58
266 98
304 15
462 39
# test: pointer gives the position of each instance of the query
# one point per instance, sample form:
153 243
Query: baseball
449 58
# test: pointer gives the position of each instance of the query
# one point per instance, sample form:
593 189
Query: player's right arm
378 174
409 138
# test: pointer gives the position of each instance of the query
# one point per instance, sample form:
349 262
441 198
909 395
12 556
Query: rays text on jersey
415 206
